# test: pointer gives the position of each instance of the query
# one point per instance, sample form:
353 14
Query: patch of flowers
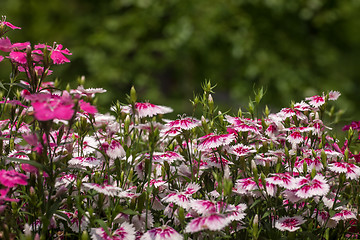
70 172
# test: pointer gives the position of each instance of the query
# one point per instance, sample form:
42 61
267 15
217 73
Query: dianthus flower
12 178
290 224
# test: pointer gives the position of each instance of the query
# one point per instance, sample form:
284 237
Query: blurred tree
166 48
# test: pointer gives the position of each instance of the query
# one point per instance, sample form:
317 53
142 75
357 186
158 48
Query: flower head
12 178
290 224
213 222
162 233
126 231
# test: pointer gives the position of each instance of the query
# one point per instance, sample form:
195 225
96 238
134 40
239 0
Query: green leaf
129 212
33 163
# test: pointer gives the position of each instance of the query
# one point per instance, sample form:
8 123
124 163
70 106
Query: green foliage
166 48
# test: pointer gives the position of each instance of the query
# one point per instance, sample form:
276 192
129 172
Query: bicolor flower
307 187
125 231
290 224
351 170
162 233
213 222
211 141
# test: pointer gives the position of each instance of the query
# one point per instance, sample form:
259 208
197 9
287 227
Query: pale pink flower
139 221
12 178
351 170
261 159
284 180
245 185
211 141
295 138
310 162
114 149
168 156
179 199
316 101
213 222
125 231
83 162
312 187
242 150
290 224
89 92
148 109
108 190
334 95
191 188
302 106
344 214
184 123
170 132
75 222
162 233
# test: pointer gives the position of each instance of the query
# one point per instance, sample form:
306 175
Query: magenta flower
1 58
213 222
4 23
12 178
126 231
18 57
290 224
312 187
351 171
162 233
3 197
48 107
57 53
184 123
211 141
5 44
87 107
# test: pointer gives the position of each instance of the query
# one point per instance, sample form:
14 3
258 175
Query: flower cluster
69 171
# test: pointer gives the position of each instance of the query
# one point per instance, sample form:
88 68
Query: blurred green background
167 48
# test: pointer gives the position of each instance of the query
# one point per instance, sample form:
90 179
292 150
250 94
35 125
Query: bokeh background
167 48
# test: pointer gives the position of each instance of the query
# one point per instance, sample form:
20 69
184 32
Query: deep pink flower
48 107
213 222
162 233
290 224
5 44
4 23
3 197
211 141
12 178
87 107
1 58
312 187
57 55
18 57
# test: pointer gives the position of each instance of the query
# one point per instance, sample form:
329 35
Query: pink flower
290 224
87 107
168 156
334 95
114 149
242 150
316 101
1 58
4 23
147 109
183 199
312 187
108 190
284 180
18 57
5 44
211 140
126 231
344 214
84 162
351 171
245 185
12 178
213 222
48 107
184 123
295 138
310 162
162 233
3 197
